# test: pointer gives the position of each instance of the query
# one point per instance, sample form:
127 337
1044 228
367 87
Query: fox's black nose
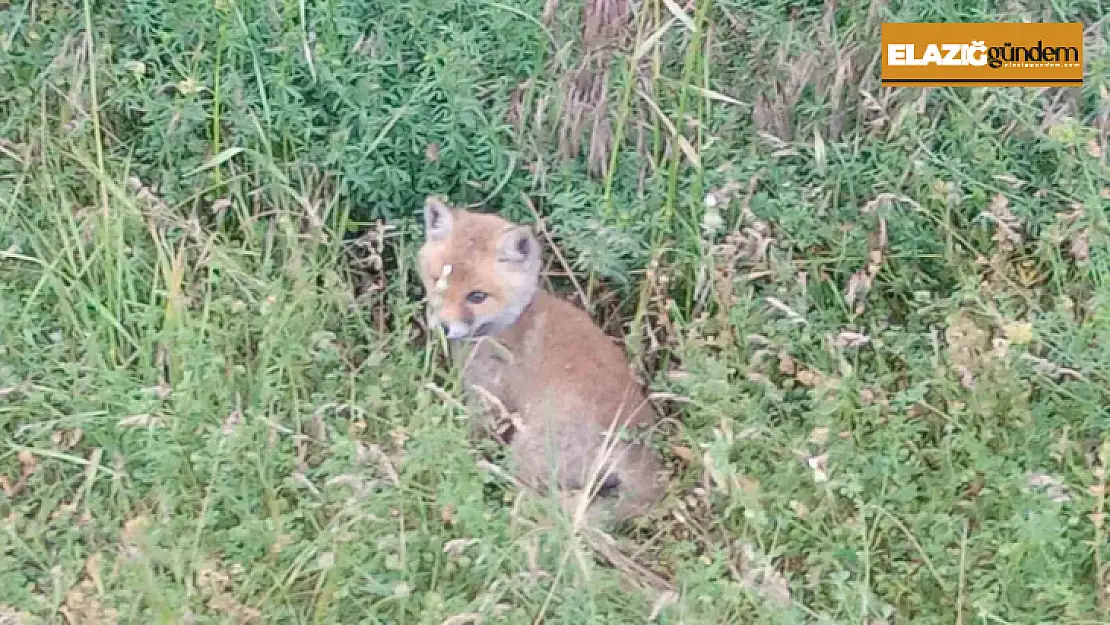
445 327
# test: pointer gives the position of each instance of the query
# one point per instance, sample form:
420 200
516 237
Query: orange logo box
982 55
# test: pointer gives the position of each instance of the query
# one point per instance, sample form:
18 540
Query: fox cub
527 353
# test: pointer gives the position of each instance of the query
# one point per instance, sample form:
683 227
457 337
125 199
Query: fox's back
554 363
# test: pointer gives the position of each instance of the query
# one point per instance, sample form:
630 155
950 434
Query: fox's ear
518 245
438 219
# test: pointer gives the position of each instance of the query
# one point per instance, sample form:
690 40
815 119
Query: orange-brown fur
540 358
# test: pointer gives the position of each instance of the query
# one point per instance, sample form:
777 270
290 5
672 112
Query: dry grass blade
605 21
790 313
1098 521
555 249
585 106
650 41
550 12
680 15
760 576
683 142
386 464
715 95
643 577
665 599
1008 233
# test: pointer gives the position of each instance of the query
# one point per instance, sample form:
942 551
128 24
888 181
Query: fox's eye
476 297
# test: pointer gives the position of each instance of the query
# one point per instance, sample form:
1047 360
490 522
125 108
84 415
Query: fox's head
479 271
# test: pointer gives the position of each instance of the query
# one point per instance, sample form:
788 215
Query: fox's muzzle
455 330
451 329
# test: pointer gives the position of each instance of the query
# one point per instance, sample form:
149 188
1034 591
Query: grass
876 318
